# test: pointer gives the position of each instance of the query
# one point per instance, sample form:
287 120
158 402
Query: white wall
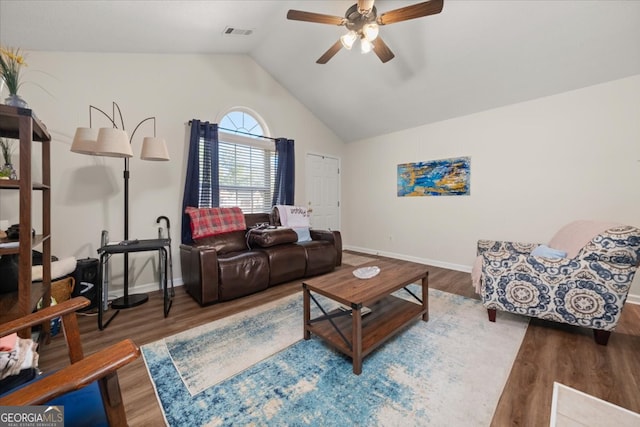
87 192
534 167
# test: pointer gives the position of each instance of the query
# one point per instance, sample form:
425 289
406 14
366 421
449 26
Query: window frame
227 139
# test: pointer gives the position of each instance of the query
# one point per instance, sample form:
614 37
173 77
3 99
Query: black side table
125 247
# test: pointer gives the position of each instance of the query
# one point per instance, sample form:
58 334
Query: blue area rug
236 342
448 371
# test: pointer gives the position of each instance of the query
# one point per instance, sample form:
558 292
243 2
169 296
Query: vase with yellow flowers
11 62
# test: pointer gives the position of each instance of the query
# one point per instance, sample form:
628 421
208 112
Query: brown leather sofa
239 263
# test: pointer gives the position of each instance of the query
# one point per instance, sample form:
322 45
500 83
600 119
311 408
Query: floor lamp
114 142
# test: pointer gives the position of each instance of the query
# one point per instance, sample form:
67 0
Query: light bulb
348 40
365 45
370 31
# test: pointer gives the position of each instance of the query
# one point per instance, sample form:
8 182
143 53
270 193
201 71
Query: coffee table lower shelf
387 317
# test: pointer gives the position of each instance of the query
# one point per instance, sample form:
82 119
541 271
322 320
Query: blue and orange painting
445 177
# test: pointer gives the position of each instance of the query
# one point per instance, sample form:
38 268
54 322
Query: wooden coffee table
351 332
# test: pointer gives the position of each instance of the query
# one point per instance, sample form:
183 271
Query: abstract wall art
445 177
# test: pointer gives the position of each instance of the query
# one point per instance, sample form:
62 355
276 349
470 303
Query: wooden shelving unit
22 124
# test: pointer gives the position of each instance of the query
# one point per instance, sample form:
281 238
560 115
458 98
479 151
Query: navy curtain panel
285 173
205 192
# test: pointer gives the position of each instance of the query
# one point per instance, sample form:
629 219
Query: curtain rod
245 133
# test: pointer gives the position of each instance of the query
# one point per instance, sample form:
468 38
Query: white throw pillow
547 252
304 235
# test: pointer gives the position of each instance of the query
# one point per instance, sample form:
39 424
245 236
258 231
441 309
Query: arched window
243 122
247 161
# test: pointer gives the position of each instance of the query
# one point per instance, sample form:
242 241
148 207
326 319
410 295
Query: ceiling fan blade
330 53
382 50
299 15
419 10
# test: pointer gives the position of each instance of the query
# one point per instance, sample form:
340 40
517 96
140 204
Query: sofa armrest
332 236
497 246
200 272
618 258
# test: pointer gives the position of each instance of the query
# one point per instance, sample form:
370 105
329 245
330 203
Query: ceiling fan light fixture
362 21
365 45
348 39
370 31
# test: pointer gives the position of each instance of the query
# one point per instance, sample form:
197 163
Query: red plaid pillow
207 222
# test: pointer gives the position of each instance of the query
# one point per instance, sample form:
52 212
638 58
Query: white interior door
323 191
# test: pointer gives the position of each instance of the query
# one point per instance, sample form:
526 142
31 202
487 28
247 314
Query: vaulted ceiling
475 55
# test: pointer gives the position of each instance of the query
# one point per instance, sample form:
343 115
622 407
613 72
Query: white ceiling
475 55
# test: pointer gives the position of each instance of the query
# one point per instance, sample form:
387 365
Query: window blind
246 176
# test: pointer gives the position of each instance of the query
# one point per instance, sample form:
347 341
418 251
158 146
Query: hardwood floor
550 352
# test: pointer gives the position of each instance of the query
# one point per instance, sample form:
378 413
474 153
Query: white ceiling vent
232 31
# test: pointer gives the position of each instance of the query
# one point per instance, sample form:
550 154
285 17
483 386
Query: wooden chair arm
76 376
48 313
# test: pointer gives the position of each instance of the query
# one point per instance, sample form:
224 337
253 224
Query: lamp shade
85 141
154 149
113 142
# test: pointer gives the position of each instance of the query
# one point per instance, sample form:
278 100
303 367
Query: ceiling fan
363 22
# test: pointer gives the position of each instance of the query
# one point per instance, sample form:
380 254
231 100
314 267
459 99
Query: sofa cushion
266 238
207 222
225 243
286 262
321 257
242 273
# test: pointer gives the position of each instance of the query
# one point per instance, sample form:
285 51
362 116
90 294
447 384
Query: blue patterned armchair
581 278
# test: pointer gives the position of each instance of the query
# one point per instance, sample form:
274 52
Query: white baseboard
151 287
631 298
427 261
